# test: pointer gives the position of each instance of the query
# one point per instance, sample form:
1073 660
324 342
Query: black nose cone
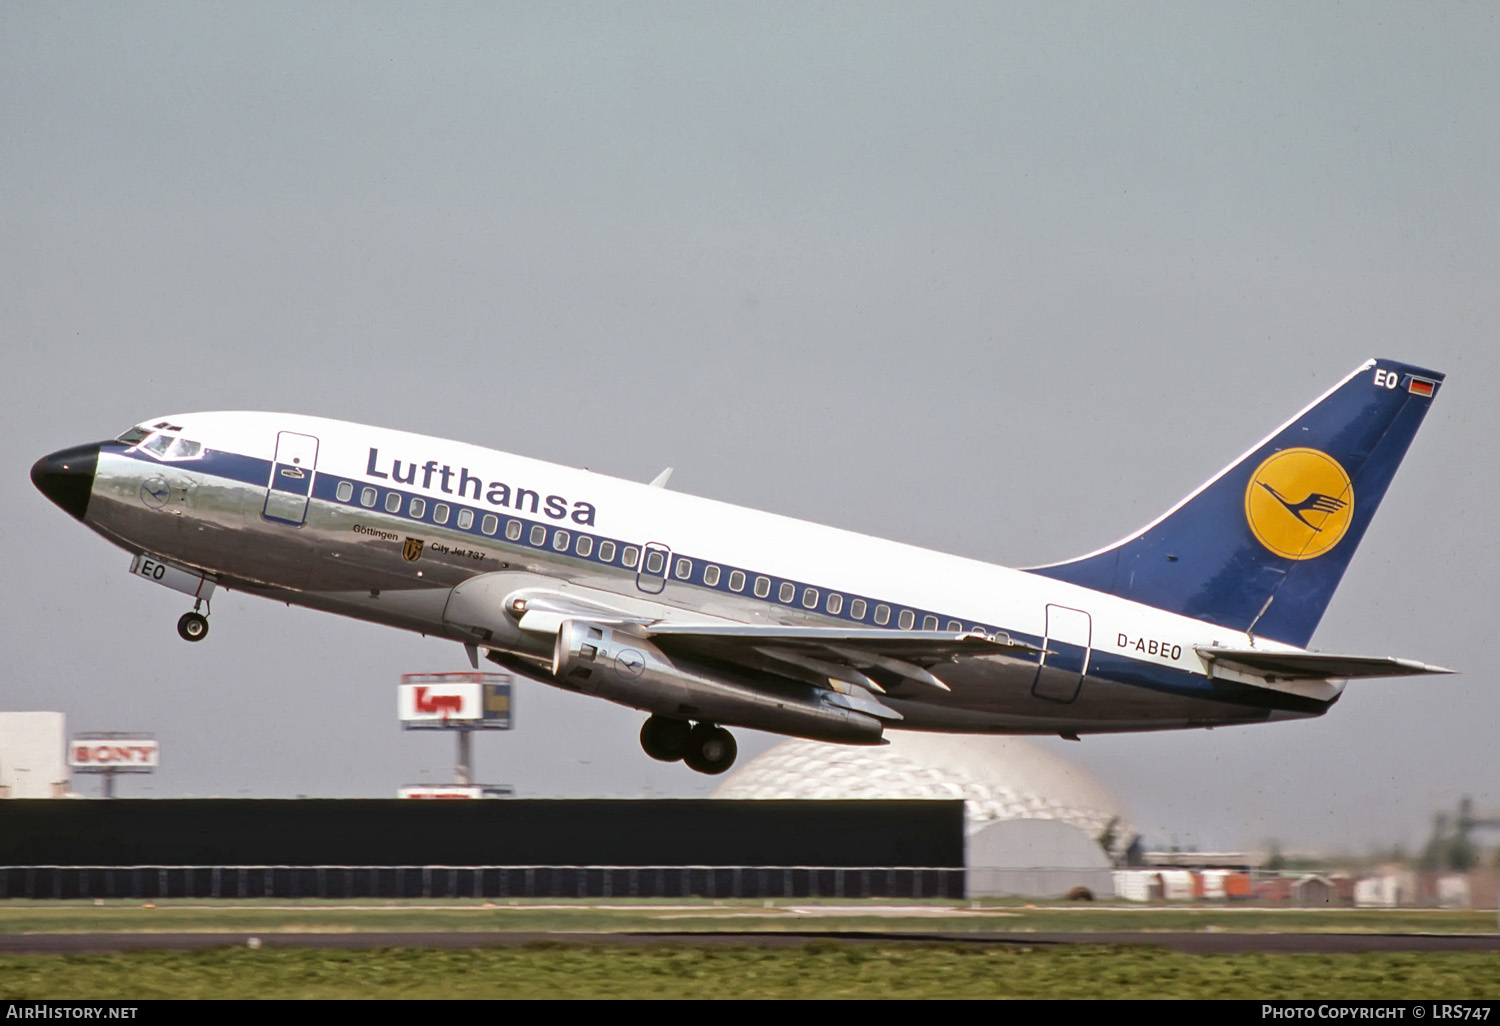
67 477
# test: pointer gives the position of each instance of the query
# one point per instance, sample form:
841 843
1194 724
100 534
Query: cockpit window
134 435
169 447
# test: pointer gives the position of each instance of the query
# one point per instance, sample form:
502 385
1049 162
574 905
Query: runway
1195 943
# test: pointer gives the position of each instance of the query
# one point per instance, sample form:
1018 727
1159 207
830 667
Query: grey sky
998 279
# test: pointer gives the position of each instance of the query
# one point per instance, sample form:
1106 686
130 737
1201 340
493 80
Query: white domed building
1035 823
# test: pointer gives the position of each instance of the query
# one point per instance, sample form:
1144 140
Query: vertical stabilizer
1263 544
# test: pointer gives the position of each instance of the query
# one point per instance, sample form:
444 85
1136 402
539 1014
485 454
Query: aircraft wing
857 655
871 658
1295 666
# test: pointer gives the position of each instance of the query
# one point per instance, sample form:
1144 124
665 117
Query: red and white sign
99 755
442 702
460 701
455 791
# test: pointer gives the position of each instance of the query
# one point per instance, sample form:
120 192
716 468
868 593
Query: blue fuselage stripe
325 487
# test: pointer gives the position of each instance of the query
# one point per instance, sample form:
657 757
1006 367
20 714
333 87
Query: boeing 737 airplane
704 614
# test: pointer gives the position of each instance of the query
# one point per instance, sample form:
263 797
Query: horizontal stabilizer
1311 665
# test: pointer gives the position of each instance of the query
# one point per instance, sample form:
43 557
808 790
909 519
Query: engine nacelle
626 668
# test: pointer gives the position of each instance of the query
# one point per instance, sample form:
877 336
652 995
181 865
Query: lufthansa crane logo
155 492
1299 503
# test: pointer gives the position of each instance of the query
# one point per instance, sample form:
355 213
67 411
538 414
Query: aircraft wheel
710 749
664 738
192 627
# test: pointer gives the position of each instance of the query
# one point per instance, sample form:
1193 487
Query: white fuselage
382 525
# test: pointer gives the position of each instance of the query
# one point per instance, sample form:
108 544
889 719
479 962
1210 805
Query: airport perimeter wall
496 848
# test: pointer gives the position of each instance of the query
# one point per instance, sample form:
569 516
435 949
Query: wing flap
843 651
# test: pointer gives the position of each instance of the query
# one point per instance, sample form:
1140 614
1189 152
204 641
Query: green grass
818 970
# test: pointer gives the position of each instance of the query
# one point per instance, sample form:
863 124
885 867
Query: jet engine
624 667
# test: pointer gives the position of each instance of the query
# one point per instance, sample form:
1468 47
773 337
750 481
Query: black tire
192 627
710 749
664 738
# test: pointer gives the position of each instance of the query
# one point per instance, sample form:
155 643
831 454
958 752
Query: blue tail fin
1262 545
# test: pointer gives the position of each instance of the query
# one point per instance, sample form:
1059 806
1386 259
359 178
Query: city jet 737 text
707 615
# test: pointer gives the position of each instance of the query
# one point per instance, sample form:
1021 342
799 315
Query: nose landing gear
705 748
193 626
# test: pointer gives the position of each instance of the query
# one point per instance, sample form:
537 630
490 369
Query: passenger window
440 513
882 615
857 609
560 540
513 530
929 623
810 598
628 556
787 591
907 619
465 519
711 576
367 496
607 551
835 604
538 534
490 524
655 561
736 580
393 502
684 569
346 491
762 587
954 625
585 545
417 507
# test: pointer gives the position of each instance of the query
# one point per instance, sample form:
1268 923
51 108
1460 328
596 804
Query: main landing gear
704 747
193 626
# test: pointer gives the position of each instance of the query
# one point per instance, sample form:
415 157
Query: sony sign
91 753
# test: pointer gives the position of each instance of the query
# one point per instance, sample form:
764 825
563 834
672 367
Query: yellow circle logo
1299 503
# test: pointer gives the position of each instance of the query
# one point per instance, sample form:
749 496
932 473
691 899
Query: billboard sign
113 753
463 701
457 791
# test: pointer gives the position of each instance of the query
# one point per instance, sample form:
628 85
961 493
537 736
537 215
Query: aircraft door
290 487
652 575
1068 645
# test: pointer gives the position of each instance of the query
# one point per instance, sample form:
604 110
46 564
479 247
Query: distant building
1037 825
33 747
1036 858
